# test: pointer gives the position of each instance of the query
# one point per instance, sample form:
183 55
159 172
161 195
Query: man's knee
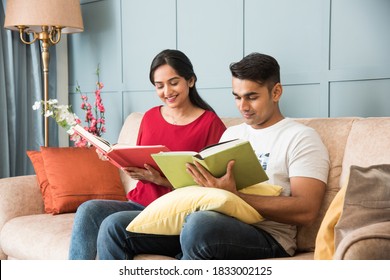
204 218
201 225
199 235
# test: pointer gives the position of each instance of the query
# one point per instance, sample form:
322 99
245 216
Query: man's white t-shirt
286 149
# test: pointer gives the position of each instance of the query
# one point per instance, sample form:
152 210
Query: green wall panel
100 43
211 34
149 26
369 98
334 55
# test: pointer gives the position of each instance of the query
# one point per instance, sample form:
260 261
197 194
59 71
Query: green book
247 168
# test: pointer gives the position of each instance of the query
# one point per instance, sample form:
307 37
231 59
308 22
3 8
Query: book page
178 153
121 146
98 142
210 150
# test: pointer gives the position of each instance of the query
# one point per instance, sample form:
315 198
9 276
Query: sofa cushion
166 215
370 242
37 237
95 179
367 200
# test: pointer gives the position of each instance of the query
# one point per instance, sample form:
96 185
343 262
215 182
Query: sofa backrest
368 144
334 134
128 135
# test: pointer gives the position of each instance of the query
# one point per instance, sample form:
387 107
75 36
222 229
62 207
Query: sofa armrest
19 196
371 242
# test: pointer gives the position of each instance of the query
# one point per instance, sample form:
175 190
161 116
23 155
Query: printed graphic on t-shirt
263 158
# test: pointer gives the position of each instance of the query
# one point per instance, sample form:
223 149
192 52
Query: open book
247 169
122 155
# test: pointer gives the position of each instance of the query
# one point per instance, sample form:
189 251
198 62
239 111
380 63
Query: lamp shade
37 13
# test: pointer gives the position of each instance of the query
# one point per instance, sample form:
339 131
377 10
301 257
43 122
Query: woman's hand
147 174
101 155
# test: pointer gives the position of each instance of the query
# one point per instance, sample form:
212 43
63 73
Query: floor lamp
46 20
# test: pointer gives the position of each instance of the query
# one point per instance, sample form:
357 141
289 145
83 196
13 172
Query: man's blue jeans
88 219
205 235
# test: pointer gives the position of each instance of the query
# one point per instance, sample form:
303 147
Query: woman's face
172 89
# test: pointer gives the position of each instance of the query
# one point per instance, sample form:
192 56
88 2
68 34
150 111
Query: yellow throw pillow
166 214
324 248
263 189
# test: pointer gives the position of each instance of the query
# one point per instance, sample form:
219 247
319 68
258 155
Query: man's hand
203 178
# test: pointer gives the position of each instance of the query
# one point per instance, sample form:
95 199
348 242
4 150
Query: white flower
62 113
36 105
48 113
63 116
70 131
71 119
52 101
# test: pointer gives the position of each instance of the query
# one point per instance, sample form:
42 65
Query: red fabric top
155 130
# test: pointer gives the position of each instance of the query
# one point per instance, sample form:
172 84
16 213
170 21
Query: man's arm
301 208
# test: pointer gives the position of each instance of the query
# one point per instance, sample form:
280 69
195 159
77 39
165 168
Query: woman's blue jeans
88 219
205 235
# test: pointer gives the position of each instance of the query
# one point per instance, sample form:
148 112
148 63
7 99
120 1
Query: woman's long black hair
183 67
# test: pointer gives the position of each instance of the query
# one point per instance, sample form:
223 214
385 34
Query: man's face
257 105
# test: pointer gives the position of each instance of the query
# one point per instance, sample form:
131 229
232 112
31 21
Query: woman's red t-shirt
155 130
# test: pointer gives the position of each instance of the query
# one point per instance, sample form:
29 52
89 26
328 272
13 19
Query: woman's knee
116 224
89 206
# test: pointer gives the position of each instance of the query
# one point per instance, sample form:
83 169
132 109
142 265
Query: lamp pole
47 38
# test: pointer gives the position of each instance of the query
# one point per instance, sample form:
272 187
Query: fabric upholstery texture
19 196
367 200
368 144
334 134
38 237
62 191
371 242
166 215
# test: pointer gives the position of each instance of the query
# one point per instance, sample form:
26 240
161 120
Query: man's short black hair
257 67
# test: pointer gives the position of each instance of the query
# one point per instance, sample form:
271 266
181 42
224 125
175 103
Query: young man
293 156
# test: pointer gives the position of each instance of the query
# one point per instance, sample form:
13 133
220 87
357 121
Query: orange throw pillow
37 162
76 175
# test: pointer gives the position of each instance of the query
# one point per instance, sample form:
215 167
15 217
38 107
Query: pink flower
94 115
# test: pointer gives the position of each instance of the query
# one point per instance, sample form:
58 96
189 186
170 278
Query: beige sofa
27 233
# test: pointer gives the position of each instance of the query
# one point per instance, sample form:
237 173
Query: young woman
184 122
